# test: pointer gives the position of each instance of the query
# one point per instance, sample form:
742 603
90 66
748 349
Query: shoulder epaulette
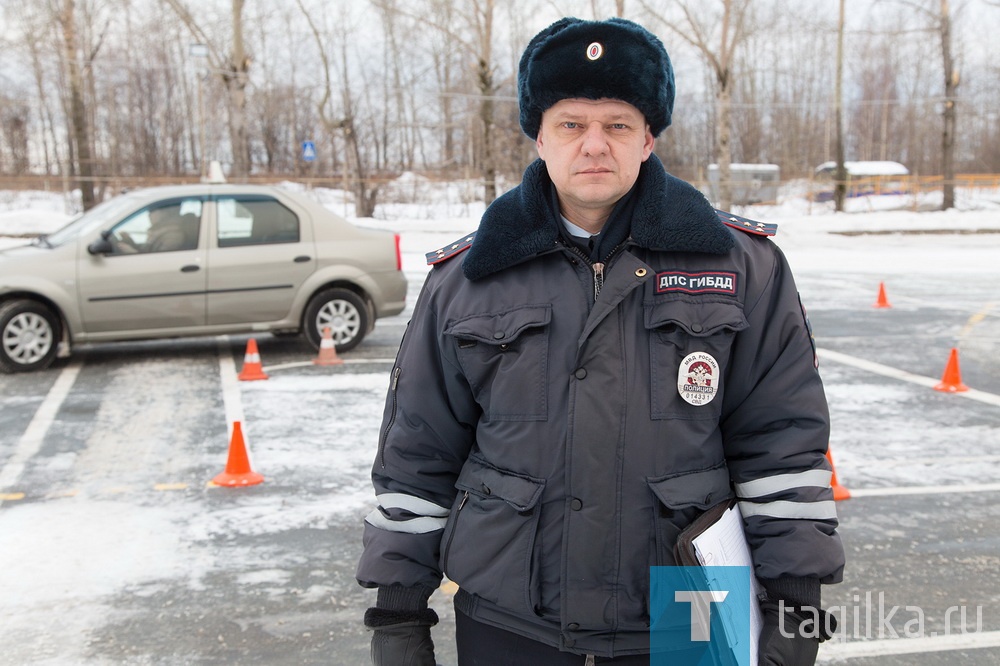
449 251
749 226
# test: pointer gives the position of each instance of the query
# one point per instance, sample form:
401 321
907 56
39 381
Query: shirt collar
574 230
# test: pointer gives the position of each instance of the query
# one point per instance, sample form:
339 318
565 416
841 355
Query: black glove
405 640
402 623
789 637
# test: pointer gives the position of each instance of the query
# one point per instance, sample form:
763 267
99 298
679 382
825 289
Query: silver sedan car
201 259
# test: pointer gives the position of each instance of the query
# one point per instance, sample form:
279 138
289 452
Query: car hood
23 253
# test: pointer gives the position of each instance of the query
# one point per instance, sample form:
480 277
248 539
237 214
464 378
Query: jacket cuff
379 618
400 598
793 591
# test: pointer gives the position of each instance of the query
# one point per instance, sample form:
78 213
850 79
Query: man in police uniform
607 358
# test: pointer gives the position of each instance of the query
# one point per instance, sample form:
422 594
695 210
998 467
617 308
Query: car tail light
399 254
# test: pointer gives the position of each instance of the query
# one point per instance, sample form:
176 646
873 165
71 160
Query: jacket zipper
597 267
598 279
451 537
392 416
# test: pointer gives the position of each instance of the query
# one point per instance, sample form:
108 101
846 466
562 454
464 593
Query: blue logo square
700 616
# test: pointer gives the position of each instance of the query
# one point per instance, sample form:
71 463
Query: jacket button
580 373
697 328
499 335
573 626
576 504
640 272
568 642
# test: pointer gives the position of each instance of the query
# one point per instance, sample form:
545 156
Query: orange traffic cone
251 363
327 350
839 491
238 472
951 381
882 301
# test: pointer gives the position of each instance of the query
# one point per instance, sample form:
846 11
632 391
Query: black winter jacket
552 424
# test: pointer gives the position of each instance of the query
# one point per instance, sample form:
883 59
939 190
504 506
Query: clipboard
716 538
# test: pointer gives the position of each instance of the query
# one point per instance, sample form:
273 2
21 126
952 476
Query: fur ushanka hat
614 59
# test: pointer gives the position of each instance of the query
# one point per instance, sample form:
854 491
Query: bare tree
476 17
82 160
840 188
938 17
951 78
716 36
445 64
364 187
234 70
482 19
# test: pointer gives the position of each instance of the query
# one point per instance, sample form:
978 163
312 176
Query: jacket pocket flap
698 319
700 489
501 327
485 480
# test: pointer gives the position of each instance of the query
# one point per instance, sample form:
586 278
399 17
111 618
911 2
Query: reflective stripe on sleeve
415 505
768 485
421 525
826 510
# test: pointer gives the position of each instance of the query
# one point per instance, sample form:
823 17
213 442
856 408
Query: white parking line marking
232 399
925 490
940 460
894 373
832 651
31 441
306 364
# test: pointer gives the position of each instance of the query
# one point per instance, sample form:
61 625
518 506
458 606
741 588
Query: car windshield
103 213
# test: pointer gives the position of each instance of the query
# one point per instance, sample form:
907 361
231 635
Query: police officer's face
592 150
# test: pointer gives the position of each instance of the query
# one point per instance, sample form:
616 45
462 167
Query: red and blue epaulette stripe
449 251
747 225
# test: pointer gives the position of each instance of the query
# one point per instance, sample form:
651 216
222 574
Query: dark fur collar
670 215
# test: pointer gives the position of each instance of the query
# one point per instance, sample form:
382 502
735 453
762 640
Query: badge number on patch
698 378
706 282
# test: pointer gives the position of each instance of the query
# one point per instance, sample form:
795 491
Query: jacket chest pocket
504 357
689 345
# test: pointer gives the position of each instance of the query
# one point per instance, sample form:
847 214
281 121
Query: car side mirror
102 245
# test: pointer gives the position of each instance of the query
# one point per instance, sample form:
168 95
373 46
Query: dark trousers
484 645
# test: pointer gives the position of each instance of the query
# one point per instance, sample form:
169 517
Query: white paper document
724 544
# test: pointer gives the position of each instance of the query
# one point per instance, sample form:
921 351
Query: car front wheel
29 336
340 310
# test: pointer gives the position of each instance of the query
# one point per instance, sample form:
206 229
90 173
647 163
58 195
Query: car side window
160 227
255 221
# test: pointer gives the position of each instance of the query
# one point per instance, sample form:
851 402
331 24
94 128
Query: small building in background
863 179
751 183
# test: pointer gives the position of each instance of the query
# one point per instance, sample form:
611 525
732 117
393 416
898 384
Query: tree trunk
723 153
950 120
840 187
486 110
78 109
236 82
488 168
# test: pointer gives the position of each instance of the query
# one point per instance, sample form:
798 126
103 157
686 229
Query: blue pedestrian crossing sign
309 151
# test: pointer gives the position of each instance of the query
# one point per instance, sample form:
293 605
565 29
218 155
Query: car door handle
302 259
190 268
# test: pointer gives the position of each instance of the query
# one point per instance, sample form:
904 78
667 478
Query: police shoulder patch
747 225
450 250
